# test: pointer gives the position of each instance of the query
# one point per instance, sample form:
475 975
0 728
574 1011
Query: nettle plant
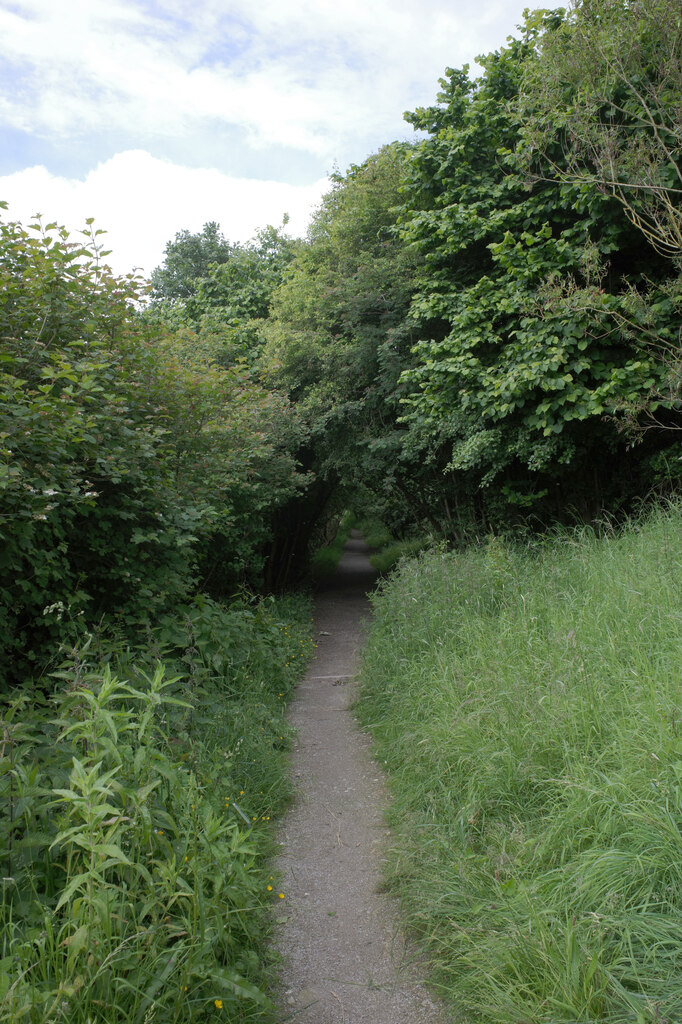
138 804
125 888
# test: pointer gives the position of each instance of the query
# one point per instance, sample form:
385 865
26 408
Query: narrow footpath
345 961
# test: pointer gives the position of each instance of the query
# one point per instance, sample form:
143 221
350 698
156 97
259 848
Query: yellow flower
218 1003
281 895
269 888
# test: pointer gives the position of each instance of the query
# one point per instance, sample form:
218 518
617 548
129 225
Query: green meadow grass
527 704
388 557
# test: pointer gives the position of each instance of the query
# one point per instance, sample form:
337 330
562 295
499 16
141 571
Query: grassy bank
138 799
527 704
389 551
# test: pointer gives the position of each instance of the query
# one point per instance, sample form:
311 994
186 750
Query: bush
131 465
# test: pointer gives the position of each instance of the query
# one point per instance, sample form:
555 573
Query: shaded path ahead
344 960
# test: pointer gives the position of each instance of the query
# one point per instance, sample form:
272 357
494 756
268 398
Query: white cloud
315 74
277 88
142 202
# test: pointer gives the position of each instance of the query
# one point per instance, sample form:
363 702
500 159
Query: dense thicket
134 467
475 332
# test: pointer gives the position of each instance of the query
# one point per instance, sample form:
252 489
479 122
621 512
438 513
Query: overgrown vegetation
480 336
139 798
526 701
134 468
326 558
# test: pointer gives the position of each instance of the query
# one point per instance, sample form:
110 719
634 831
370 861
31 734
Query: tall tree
187 260
530 338
338 338
602 106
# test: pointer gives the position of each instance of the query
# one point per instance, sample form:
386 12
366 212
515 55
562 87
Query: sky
154 116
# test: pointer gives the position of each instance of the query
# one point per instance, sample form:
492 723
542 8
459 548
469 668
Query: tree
240 289
337 338
530 338
226 303
602 106
188 259
133 468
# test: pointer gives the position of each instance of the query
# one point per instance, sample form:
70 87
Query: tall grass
135 831
527 703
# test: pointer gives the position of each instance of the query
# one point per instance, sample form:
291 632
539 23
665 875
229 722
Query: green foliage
531 341
526 704
392 554
326 559
137 804
338 339
228 293
241 288
131 465
375 532
188 259
605 95
334 341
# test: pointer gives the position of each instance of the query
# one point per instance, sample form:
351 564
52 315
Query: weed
139 798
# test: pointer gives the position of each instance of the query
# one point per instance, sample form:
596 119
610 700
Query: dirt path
344 959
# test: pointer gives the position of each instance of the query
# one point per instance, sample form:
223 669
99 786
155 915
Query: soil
344 958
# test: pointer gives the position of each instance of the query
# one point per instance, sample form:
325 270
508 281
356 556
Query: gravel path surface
345 961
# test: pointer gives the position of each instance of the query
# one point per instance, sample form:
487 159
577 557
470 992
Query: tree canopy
478 332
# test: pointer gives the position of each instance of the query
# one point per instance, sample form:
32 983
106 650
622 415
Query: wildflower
269 888
281 895
218 1003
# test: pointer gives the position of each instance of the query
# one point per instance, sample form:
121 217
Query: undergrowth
138 799
527 703
388 557
389 551
326 559
375 533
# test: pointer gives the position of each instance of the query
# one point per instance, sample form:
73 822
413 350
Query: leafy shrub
131 466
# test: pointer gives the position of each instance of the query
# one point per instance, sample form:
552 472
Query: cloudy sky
158 115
